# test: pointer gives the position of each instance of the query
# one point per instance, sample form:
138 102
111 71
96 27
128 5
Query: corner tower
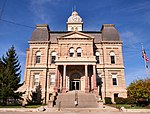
74 22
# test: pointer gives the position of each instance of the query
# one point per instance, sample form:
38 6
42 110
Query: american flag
144 55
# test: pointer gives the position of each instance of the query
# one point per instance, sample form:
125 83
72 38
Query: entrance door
75 85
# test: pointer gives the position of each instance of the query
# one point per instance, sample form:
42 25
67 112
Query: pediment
76 34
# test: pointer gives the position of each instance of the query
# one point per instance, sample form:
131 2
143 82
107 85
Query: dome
74 18
74 13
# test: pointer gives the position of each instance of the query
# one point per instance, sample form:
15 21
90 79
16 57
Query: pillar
86 79
94 79
64 80
56 79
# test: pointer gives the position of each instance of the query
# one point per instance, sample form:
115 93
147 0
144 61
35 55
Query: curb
122 109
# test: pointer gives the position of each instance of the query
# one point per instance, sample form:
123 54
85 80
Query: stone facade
62 61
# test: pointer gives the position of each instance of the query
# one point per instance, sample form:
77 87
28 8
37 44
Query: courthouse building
63 61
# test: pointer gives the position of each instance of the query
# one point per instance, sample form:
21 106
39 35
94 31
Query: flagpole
146 65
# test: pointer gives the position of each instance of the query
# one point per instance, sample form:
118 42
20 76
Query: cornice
38 42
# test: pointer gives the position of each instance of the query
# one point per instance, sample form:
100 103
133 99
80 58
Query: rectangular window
97 59
112 59
115 95
38 59
114 79
53 59
71 54
52 79
36 79
78 54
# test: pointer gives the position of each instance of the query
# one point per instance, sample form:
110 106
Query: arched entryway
75 83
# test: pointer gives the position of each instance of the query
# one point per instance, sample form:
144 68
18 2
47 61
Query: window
52 79
114 79
36 79
76 29
79 51
97 57
53 57
38 57
72 28
115 95
112 57
71 52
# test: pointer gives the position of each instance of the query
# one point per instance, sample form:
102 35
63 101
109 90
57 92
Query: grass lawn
29 106
128 106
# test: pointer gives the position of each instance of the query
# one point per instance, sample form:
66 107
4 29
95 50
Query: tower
74 22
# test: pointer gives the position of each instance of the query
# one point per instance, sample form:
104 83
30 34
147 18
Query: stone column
56 79
86 79
58 76
64 80
94 79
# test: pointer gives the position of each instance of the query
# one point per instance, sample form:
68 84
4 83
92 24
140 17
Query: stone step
85 100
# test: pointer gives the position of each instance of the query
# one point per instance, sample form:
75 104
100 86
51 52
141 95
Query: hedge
108 100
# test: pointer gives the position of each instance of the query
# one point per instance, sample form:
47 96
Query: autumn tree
140 89
9 76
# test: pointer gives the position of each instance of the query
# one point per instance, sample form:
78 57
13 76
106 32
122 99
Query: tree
140 89
9 76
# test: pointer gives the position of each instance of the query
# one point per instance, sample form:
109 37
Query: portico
75 77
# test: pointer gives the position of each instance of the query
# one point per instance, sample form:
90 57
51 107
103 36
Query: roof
107 33
41 33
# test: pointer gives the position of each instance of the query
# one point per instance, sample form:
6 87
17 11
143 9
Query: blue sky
131 19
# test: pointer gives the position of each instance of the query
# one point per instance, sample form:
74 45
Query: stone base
95 90
86 90
55 89
63 90
50 103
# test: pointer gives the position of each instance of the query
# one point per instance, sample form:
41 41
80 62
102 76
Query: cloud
39 9
136 7
130 40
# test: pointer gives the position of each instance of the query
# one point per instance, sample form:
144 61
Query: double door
75 85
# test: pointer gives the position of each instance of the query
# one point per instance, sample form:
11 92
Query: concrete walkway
107 109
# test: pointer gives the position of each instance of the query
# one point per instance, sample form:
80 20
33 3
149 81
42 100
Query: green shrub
120 100
142 102
108 100
130 100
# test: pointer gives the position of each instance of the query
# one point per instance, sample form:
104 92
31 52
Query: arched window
112 57
53 57
97 57
79 52
76 29
72 28
38 57
71 52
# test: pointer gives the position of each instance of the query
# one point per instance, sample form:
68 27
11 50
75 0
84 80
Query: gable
76 35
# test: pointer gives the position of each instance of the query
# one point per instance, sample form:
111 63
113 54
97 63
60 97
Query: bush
108 100
142 102
120 100
130 100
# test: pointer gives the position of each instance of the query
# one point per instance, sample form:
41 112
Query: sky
18 19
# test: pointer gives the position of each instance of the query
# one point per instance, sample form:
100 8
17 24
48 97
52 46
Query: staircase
85 100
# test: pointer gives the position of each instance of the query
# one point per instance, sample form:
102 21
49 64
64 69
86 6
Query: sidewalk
104 109
18 110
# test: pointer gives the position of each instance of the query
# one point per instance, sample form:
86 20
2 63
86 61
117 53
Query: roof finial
74 8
